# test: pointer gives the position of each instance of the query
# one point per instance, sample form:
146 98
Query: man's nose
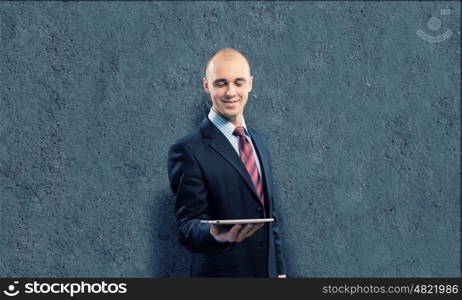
231 92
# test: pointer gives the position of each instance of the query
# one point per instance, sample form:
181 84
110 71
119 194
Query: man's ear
205 85
250 83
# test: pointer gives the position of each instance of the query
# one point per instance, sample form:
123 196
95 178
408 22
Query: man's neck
236 121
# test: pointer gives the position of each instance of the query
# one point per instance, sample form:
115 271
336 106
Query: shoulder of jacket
255 132
191 140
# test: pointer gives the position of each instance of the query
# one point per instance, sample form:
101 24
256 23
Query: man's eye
219 84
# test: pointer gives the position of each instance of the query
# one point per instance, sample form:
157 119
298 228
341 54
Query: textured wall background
362 116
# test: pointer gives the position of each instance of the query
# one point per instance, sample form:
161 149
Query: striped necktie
248 158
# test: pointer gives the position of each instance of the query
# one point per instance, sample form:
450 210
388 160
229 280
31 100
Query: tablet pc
237 221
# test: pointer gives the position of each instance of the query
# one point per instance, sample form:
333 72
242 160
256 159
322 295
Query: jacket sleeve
277 228
277 242
191 204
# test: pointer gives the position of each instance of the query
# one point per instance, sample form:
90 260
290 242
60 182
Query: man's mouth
230 101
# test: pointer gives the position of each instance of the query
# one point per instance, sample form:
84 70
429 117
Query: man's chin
230 116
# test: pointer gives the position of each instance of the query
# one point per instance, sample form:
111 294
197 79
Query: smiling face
228 82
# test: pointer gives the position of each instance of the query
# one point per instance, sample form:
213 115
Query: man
222 171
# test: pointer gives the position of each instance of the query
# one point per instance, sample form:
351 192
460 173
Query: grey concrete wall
362 117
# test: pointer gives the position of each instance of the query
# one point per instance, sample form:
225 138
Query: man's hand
237 233
282 276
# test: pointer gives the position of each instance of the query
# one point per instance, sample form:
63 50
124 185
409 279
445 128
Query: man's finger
249 229
233 232
214 230
240 235
259 225
255 229
244 232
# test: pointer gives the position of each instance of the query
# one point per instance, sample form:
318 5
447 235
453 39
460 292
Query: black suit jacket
210 181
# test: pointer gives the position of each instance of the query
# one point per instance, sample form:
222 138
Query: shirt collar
225 125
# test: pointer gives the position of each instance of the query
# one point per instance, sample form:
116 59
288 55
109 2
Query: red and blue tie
248 158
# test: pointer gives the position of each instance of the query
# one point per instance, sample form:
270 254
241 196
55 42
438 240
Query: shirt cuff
219 239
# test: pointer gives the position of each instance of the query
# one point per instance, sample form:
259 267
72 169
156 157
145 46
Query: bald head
225 56
228 81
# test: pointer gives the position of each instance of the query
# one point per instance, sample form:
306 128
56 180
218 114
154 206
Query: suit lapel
218 142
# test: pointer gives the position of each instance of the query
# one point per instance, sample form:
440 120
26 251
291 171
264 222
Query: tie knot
239 131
